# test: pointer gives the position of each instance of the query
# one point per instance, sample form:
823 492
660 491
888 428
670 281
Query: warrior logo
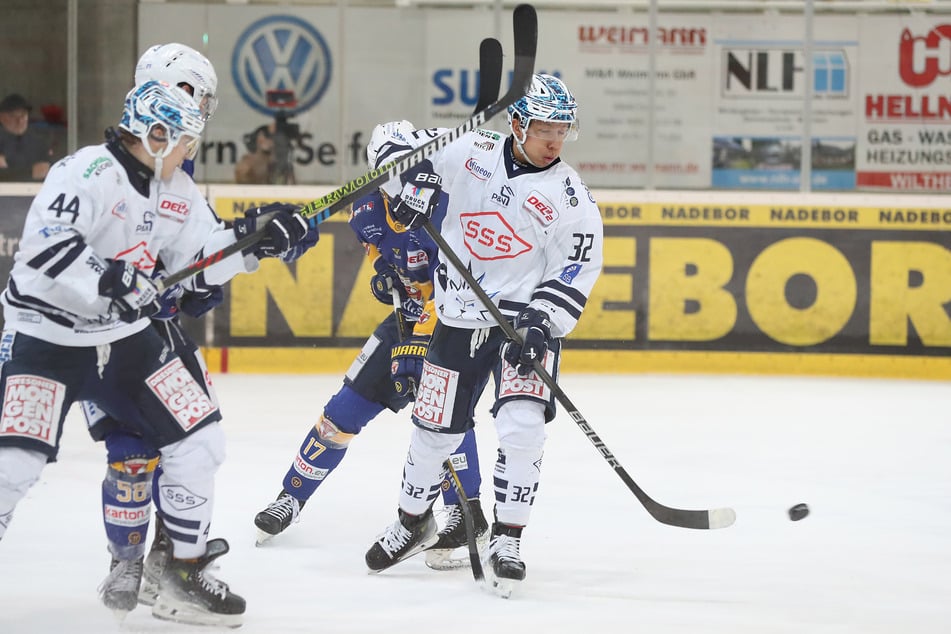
281 52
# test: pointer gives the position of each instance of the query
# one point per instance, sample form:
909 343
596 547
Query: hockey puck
798 512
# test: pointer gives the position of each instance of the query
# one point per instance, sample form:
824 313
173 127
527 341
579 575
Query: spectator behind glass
257 167
24 154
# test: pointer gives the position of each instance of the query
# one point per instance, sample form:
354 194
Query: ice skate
189 594
453 536
278 515
408 536
120 589
154 564
504 568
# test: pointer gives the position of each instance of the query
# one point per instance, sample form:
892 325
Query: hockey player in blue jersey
384 374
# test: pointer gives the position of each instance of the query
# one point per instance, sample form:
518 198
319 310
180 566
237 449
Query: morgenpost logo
281 52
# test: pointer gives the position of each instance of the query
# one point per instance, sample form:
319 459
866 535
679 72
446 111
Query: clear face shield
558 131
208 104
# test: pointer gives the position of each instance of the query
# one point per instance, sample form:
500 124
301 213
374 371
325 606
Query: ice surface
871 458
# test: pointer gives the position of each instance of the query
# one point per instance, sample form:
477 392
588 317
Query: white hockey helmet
390 141
158 105
178 64
547 99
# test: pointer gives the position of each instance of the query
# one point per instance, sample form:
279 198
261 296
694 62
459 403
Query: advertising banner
729 90
905 114
785 280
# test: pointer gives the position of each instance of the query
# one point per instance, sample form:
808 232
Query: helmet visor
560 131
208 105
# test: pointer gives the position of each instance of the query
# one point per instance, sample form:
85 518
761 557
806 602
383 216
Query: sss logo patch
281 52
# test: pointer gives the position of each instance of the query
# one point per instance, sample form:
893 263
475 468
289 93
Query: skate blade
501 587
148 593
442 559
119 615
190 615
263 538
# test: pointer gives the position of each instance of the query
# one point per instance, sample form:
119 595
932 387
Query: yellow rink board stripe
337 360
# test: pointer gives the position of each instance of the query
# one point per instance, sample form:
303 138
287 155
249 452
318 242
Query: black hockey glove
385 280
420 195
195 304
534 327
407 363
284 228
133 294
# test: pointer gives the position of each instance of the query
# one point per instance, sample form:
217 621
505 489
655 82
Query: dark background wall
33 57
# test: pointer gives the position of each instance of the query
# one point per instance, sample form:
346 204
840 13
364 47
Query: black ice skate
155 564
453 536
189 594
503 564
120 589
408 536
278 515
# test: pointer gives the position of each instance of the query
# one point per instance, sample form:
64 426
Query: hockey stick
490 73
474 561
683 518
525 29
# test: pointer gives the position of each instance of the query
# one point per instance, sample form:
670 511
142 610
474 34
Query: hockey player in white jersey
530 232
77 311
132 464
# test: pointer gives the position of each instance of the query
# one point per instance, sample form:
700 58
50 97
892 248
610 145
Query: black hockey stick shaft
477 573
683 518
525 29
490 73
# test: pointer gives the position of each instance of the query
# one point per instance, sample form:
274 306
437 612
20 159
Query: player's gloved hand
420 195
283 225
406 363
384 281
133 294
195 304
309 240
534 327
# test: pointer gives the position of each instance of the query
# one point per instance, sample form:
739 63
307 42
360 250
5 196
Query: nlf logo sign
772 73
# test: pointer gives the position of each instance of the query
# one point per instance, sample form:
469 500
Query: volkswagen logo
281 52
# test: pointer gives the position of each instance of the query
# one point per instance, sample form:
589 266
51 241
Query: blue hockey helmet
156 104
547 99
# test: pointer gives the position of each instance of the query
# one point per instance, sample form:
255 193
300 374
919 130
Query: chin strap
517 144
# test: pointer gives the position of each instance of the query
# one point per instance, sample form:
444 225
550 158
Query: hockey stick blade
525 27
682 518
474 561
490 72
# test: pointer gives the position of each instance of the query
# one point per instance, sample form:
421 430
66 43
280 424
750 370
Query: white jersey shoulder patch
540 208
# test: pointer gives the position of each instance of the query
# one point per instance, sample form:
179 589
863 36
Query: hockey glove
407 363
385 280
309 240
196 304
133 294
420 195
284 228
534 327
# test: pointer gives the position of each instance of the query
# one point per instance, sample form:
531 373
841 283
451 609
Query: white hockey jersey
529 236
96 204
